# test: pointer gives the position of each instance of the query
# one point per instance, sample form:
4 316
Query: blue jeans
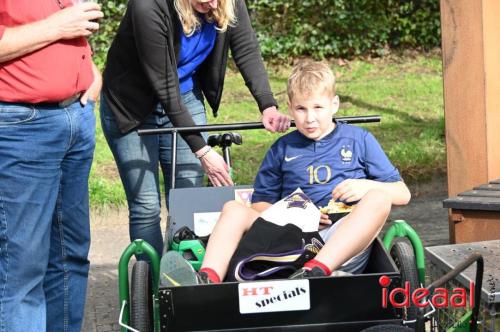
45 158
138 157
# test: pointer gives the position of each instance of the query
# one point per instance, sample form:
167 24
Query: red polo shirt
50 74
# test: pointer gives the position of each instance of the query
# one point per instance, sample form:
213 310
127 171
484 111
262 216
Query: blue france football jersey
348 152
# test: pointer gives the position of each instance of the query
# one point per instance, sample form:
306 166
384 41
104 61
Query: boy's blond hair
223 16
311 76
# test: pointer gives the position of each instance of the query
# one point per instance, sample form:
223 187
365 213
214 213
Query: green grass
405 90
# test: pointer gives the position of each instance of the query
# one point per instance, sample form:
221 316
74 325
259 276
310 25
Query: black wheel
404 257
141 298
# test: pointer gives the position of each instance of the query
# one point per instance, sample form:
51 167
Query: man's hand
94 89
274 121
69 23
352 190
76 21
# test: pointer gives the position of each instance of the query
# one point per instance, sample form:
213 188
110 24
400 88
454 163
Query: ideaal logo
274 296
420 297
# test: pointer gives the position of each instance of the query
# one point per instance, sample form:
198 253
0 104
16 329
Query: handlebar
245 126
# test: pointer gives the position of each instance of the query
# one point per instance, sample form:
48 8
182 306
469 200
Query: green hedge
321 28
113 13
345 28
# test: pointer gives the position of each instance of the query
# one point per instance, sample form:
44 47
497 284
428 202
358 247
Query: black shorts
269 251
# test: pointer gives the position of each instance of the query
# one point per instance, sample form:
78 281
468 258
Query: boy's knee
379 198
237 212
232 206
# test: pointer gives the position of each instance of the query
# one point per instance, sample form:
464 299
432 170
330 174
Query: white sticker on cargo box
205 222
274 296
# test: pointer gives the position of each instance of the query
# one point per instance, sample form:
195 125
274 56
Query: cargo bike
334 303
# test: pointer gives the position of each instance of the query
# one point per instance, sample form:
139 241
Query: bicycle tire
141 298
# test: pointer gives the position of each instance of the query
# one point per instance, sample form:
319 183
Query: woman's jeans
45 158
137 158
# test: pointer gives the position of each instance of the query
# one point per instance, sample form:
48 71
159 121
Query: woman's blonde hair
308 76
223 16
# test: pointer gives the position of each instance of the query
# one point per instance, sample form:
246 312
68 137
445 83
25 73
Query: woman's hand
214 166
324 221
274 121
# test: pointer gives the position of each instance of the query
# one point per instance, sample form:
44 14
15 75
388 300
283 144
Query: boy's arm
380 175
268 182
261 206
353 190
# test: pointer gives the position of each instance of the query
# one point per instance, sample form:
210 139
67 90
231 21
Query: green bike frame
400 228
138 247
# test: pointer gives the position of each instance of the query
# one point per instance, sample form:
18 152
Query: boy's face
313 113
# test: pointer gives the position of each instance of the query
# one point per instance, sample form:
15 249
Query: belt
60 104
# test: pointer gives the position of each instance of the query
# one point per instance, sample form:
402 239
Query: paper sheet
295 209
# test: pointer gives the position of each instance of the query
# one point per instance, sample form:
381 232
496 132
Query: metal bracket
427 314
167 312
122 324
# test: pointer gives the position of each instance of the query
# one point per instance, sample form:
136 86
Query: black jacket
141 67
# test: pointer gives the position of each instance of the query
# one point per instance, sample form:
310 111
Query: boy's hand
324 221
352 190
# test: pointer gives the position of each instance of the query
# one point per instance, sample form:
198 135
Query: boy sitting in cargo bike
333 164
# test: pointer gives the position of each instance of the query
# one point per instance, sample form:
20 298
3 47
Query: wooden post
471 70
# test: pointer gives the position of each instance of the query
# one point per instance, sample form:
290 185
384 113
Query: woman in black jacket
167 56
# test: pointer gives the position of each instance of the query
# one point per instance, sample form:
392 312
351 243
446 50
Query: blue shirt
317 167
193 51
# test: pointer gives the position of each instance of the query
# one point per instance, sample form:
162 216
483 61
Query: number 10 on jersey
314 171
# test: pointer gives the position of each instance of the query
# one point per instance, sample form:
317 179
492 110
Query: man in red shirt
48 88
